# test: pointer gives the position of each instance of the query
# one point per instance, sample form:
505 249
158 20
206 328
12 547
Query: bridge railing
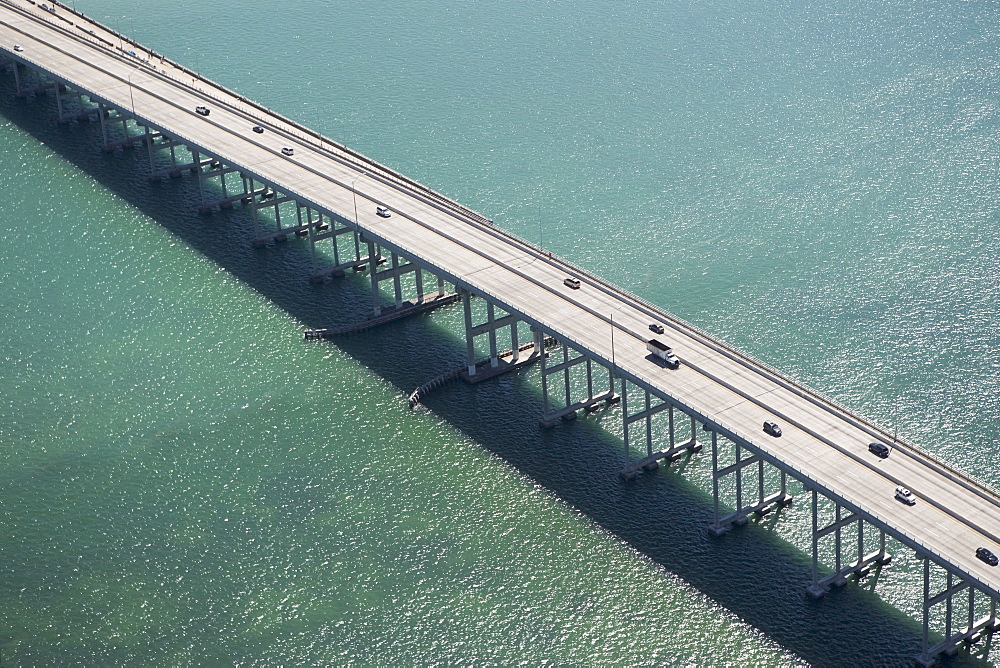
223 95
802 390
868 515
266 115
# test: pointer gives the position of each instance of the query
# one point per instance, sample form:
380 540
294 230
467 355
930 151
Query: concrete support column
842 572
277 209
538 341
373 270
225 192
196 159
490 319
314 258
336 244
59 104
590 378
948 608
151 150
649 425
569 397
925 656
624 396
971 621
102 114
515 354
815 541
739 476
861 541
470 347
539 338
397 287
760 481
716 524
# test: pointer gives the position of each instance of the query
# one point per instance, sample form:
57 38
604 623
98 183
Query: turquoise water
184 481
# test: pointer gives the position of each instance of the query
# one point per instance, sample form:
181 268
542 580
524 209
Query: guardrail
225 97
363 162
264 114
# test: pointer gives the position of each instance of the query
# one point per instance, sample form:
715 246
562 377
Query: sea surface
185 481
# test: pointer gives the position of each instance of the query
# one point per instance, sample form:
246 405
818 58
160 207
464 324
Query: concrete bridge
588 336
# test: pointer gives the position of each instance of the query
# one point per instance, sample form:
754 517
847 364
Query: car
202 111
986 556
879 449
18 47
573 283
258 129
772 428
383 211
656 327
905 495
288 151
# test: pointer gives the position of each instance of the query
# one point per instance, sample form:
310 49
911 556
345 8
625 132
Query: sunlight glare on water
184 480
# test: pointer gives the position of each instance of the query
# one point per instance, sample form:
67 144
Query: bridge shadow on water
749 571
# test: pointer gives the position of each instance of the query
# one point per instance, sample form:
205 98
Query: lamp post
354 191
130 98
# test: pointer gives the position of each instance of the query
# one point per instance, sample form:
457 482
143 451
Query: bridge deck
822 443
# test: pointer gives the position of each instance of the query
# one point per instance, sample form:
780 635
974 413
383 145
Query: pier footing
388 314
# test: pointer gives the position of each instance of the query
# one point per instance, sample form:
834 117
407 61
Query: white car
383 211
288 151
905 495
18 47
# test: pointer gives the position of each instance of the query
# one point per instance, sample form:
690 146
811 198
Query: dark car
879 449
986 556
656 327
772 428
258 129
202 111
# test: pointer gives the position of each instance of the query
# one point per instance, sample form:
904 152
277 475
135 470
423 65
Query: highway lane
829 448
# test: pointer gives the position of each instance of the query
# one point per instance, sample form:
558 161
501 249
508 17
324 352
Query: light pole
130 98
354 191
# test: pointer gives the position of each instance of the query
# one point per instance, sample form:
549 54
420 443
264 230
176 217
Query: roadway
822 443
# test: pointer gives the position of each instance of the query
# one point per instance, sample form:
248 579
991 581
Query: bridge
588 337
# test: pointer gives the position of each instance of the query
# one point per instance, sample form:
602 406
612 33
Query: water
183 480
